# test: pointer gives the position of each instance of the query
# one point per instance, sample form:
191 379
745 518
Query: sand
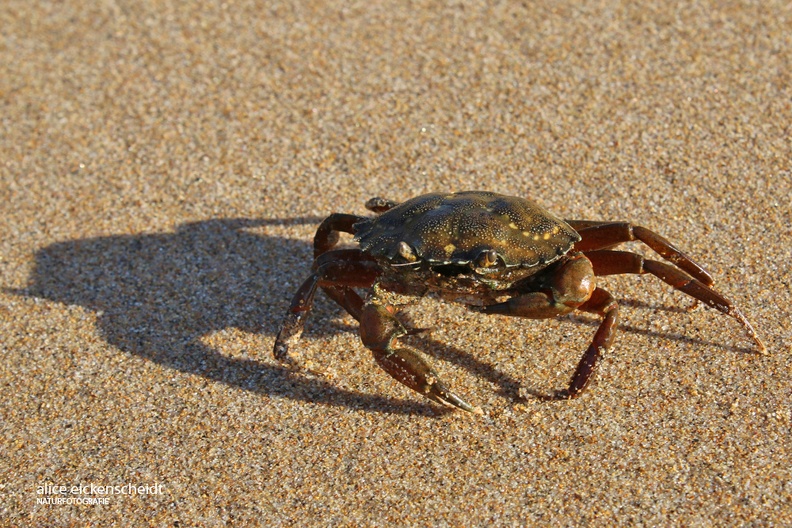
164 167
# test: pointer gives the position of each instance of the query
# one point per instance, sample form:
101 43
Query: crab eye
406 252
487 258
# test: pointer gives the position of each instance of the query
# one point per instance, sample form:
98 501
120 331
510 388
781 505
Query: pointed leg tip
462 405
565 395
472 409
737 314
440 394
560 395
760 346
281 353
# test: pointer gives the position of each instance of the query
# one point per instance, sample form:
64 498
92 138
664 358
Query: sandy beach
163 169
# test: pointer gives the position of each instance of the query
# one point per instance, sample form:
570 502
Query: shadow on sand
156 296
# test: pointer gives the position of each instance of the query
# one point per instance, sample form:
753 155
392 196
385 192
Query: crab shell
475 228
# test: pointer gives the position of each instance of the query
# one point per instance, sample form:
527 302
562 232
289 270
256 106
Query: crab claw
378 330
406 367
439 393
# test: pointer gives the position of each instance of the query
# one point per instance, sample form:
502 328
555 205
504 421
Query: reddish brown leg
601 303
337 271
378 330
539 305
607 262
604 235
572 286
326 237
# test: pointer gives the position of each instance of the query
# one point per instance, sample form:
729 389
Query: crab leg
602 303
608 262
537 305
326 236
378 329
604 235
337 272
571 287
325 239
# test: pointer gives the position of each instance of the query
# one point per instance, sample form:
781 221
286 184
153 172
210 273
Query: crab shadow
157 296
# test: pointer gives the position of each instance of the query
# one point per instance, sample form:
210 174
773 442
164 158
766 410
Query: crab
497 254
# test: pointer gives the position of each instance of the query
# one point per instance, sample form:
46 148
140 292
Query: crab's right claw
378 331
408 368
